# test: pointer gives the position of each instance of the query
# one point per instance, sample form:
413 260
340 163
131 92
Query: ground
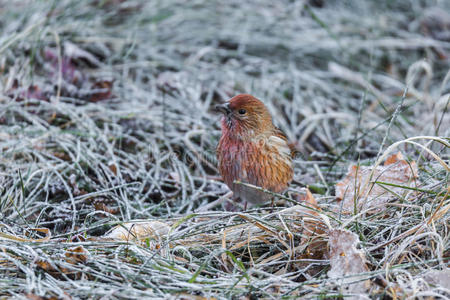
106 117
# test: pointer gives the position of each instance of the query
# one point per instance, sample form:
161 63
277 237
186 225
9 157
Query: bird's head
245 116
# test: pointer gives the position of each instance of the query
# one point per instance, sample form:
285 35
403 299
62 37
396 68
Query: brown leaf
98 205
76 255
346 260
113 167
77 238
62 155
56 269
359 185
309 199
101 90
45 265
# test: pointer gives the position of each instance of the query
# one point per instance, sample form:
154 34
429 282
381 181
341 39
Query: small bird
252 150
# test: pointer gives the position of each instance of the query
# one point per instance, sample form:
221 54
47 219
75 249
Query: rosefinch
252 150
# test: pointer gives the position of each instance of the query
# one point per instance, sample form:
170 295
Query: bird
252 150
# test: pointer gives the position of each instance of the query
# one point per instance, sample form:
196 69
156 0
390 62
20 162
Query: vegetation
106 117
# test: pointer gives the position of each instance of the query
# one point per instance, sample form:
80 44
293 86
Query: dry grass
106 117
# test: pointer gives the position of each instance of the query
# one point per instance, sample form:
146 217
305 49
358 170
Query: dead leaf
46 231
371 188
153 231
438 278
77 238
308 198
98 205
77 255
55 269
112 167
101 90
62 155
346 260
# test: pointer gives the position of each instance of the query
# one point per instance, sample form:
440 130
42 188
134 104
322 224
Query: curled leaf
154 231
370 188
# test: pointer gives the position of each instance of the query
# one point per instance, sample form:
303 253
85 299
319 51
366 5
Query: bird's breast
262 161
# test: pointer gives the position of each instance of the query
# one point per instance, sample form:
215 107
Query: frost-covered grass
106 116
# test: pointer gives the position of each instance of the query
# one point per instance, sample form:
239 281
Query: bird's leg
229 206
272 205
237 204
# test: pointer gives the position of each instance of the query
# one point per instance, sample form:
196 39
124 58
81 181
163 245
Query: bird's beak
223 108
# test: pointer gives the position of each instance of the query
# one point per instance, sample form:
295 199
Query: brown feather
253 150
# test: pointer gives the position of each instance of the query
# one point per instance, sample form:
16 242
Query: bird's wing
279 133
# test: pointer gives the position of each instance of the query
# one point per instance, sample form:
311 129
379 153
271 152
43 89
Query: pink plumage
252 150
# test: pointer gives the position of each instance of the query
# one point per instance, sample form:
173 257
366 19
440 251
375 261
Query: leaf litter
368 188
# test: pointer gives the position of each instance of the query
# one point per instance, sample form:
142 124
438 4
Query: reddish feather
253 150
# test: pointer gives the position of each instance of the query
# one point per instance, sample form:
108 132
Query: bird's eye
242 111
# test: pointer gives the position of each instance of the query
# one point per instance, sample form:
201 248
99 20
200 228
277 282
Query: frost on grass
106 119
